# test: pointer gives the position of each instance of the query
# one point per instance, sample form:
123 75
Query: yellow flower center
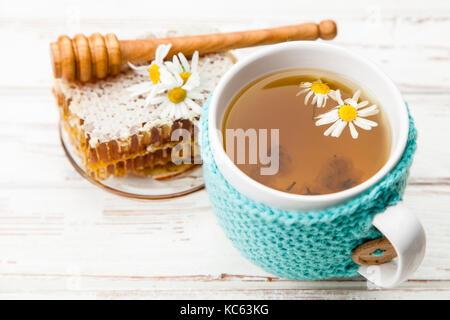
154 73
320 88
347 112
177 95
185 76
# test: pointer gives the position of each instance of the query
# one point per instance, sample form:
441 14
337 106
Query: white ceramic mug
397 223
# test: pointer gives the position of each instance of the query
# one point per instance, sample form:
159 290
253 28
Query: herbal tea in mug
306 132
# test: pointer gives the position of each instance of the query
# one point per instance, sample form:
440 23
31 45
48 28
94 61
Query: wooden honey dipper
96 57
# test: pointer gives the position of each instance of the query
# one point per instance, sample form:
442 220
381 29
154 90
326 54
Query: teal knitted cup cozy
307 245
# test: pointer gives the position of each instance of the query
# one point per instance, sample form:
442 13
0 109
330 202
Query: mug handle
406 234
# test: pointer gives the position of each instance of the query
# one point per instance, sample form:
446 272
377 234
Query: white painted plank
35 137
410 44
67 287
85 231
232 9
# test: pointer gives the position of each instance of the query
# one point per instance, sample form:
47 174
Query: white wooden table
61 237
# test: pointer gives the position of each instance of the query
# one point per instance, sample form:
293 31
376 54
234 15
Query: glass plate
138 187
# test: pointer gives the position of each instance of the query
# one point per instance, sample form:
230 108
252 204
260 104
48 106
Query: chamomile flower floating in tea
153 71
320 90
176 95
348 112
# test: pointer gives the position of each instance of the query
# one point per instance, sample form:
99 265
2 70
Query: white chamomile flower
348 112
180 65
176 95
320 90
153 71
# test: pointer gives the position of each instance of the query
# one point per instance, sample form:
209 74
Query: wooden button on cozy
374 252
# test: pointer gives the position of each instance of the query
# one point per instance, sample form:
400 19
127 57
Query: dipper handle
96 57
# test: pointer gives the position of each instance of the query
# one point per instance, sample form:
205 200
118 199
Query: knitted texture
307 245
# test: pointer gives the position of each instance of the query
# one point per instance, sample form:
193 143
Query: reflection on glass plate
137 187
